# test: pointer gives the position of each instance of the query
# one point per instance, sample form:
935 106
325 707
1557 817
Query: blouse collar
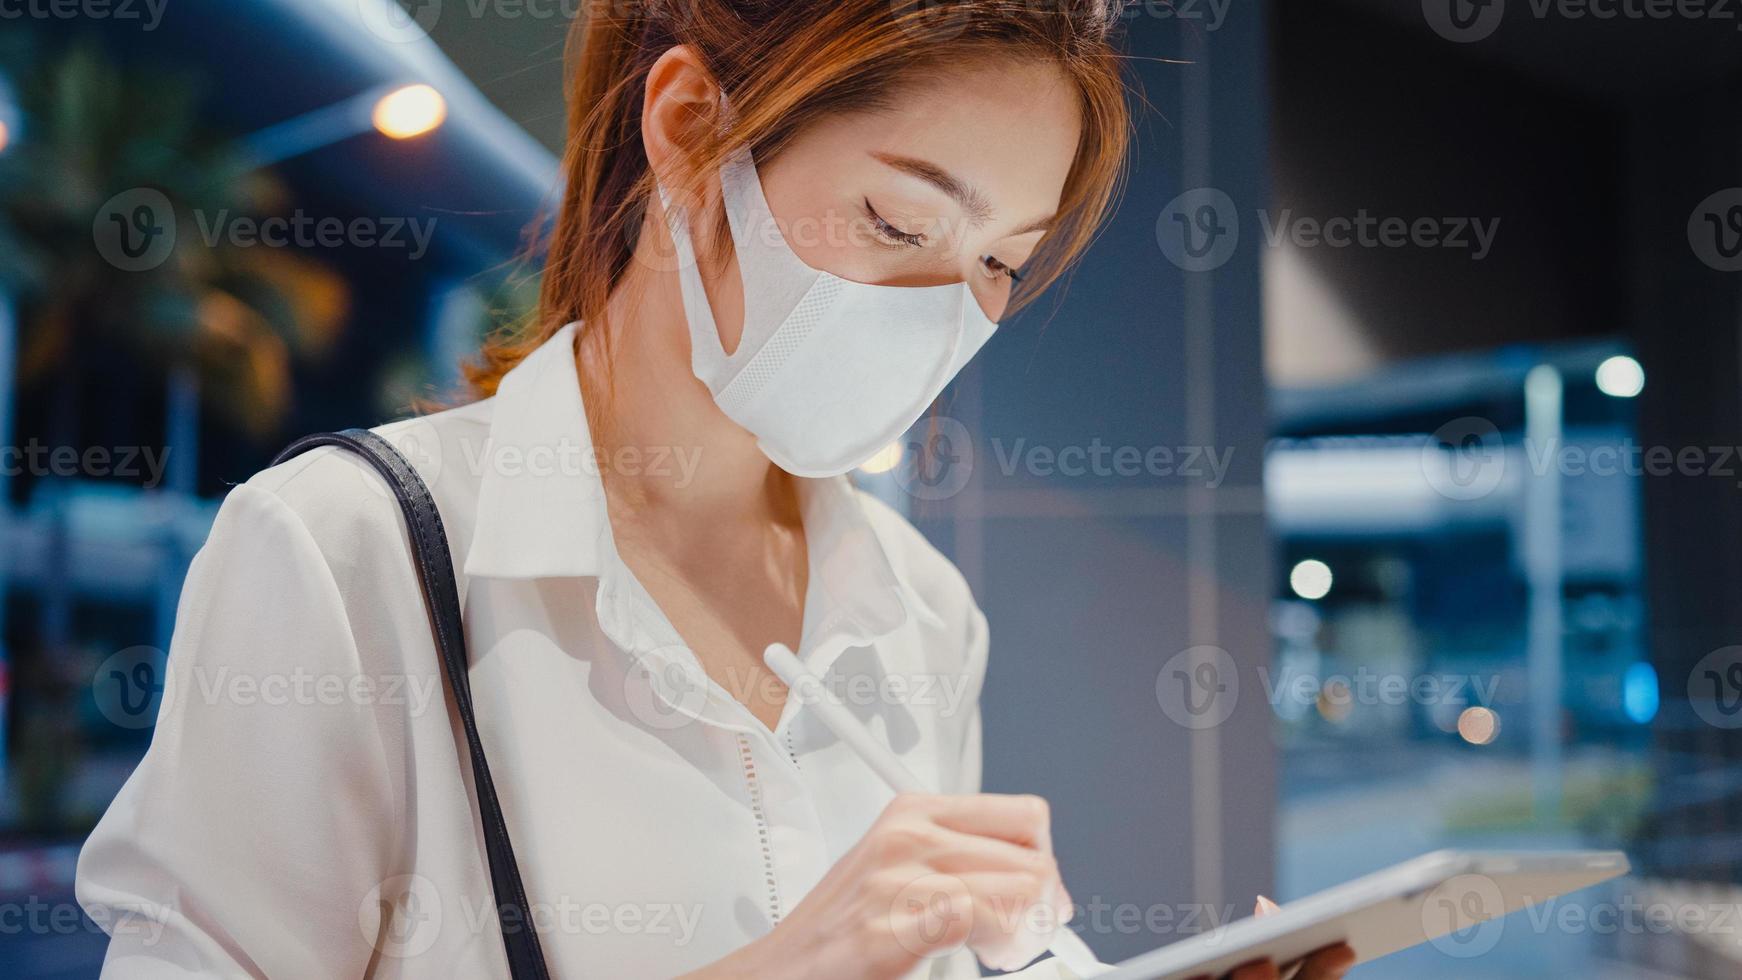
541 506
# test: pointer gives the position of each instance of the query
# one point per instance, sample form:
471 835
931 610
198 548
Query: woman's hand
934 873
1329 963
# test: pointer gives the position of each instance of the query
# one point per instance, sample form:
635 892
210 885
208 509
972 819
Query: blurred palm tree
100 142
104 153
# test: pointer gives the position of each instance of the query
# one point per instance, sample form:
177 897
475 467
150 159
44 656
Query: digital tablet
1424 900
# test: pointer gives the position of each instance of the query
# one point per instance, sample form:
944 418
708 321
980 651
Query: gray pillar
1106 576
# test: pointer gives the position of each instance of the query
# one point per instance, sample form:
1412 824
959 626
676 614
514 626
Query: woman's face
956 182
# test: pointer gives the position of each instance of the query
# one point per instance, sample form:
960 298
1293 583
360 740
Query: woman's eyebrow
972 202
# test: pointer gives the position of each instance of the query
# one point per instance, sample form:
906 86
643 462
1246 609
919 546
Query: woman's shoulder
342 502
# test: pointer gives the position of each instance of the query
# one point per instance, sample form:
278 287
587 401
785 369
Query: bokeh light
1620 377
1311 579
887 458
1478 725
410 111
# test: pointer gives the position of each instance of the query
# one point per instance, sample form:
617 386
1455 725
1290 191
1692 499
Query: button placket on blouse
800 845
797 846
790 832
797 849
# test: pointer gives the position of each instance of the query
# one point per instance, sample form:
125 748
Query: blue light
1639 693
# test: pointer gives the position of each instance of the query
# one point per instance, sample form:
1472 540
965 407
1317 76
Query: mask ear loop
727 116
721 129
709 360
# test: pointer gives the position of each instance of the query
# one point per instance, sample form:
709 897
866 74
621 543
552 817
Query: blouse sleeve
265 813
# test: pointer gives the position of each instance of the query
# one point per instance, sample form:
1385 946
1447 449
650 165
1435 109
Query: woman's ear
678 110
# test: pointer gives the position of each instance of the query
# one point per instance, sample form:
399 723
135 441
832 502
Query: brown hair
783 64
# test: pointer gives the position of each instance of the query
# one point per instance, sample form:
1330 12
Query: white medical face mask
827 371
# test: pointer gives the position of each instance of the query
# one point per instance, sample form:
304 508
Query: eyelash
896 237
998 268
890 233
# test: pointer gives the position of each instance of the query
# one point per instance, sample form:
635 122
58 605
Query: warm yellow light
1478 726
1335 702
5 136
410 111
887 458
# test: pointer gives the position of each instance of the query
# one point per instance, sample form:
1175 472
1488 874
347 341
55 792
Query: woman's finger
1005 904
1329 963
957 852
1261 970
967 854
1024 820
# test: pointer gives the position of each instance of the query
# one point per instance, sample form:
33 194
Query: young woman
785 227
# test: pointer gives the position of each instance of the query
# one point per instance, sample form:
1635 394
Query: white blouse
304 810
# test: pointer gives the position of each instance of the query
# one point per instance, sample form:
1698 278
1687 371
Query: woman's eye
888 232
995 268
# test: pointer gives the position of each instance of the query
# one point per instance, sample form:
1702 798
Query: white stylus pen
1066 945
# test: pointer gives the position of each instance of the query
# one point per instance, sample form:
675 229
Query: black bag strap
435 573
